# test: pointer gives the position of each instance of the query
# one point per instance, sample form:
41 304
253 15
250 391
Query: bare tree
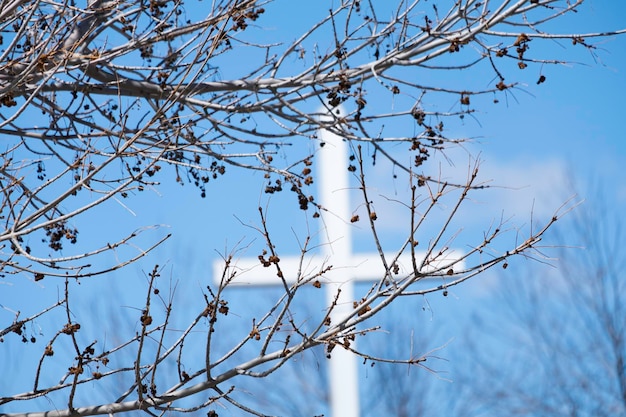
104 101
565 335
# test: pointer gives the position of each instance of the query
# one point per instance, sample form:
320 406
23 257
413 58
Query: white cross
336 244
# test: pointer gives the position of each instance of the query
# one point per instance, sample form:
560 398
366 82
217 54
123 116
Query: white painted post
336 242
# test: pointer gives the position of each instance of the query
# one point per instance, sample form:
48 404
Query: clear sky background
541 145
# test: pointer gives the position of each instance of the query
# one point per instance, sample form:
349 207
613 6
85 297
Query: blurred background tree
560 331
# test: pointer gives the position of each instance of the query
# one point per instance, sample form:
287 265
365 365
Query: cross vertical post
336 243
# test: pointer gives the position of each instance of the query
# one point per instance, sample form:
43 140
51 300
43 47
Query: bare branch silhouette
106 99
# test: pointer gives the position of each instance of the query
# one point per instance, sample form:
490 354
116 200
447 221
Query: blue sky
534 144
